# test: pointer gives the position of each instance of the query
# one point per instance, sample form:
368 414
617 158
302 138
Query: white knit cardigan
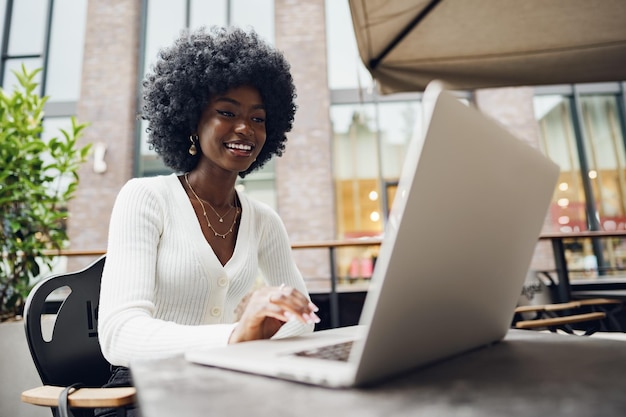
164 291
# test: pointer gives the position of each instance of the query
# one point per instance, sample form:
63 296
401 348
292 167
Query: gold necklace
232 226
215 211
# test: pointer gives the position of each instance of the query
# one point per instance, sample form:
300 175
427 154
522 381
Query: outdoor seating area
312 207
564 316
596 317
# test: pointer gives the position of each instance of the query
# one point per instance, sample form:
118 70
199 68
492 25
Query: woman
185 250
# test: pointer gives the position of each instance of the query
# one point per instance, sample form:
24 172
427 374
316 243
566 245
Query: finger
299 312
285 294
286 314
295 304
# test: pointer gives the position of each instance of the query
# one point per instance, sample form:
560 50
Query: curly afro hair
205 62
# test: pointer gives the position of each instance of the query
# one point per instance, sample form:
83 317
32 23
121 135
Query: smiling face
232 129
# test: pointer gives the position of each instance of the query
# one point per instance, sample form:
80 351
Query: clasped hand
265 310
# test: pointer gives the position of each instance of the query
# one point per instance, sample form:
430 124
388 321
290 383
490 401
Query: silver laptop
467 214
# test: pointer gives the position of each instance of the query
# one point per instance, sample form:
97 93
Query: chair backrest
73 354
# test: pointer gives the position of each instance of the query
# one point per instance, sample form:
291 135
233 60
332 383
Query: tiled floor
17 373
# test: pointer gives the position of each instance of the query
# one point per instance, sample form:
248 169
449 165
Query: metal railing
332 247
563 288
556 239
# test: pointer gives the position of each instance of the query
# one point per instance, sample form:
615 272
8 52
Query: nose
244 128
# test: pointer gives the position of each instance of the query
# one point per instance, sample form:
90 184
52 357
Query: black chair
588 315
70 364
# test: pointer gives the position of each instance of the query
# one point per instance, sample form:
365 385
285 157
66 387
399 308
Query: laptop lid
462 230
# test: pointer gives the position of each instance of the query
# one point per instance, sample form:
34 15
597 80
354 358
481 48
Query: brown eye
225 113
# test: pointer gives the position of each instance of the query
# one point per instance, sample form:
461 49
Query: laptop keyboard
337 352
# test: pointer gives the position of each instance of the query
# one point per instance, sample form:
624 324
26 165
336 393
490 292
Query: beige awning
490 43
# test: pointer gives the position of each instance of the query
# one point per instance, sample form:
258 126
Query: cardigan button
216 311
222 282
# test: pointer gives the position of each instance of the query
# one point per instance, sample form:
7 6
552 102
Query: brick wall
304 173
107 101
513 108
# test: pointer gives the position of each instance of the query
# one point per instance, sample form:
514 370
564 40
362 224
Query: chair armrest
547 307
562 306
597 301
559 321
530 309
48 396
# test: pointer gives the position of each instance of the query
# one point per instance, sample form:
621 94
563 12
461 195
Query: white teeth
239 146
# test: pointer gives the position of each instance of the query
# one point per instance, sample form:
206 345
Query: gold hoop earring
192 149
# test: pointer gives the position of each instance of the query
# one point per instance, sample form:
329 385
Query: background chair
72 355
586 316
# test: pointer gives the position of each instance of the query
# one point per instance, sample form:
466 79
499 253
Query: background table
527 374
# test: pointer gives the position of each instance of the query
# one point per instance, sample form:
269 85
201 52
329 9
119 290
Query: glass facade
604 145
369 144
581 126
37 37
559 143
583 131
48 35
65 58
21 46
345 69
597 144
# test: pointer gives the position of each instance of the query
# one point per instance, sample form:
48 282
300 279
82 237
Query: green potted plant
37 179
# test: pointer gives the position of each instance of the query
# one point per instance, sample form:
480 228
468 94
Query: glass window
52 129
67 39
27 46
10 81
165 19
28 25
26 39
345 68
355 141
3 7
258 14
208 13
149 163
399 122
605 158
356 170
369 145
604 143
558 142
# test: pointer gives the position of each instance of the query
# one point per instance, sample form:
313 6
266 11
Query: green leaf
37 180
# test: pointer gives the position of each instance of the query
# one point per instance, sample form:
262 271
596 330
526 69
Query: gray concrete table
527 374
